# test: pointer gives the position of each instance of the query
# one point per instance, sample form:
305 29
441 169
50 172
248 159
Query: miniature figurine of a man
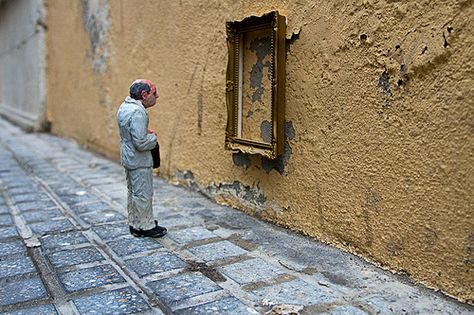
136 141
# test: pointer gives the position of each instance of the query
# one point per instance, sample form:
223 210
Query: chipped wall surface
379 117
256 86
23 63
95 19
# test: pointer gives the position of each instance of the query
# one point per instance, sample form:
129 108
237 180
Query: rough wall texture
379 116
23 63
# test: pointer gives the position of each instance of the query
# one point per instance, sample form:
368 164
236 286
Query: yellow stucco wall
379 116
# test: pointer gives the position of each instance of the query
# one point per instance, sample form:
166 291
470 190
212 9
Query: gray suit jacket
135 141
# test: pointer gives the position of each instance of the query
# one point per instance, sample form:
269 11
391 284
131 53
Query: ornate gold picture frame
256 85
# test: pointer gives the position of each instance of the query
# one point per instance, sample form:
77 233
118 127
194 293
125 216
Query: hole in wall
446 44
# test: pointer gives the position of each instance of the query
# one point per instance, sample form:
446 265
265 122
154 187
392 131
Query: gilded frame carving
275 24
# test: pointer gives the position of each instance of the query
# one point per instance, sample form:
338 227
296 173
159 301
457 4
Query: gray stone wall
23 63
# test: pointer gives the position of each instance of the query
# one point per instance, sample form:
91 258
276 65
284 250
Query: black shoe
157 231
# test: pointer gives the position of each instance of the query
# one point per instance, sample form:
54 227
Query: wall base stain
234 194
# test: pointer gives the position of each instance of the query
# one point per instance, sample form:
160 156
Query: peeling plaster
186 178
233 193
384 84
241 159
262 48
280 163
266 131
290 41
253 197
95 16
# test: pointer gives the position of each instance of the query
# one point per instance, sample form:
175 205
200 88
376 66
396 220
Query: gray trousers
140 198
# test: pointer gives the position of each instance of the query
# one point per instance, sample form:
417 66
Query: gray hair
137 88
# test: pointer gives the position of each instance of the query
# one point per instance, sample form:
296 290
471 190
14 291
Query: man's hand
151 131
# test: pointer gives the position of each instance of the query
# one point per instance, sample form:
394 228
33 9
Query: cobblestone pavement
65 249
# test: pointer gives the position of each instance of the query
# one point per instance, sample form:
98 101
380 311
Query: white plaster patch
95 15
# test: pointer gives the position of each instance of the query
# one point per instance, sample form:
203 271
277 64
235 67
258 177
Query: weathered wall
23 63
379 116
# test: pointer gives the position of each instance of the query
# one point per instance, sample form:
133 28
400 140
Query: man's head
144 91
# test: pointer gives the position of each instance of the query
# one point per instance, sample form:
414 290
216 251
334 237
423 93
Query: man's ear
144 94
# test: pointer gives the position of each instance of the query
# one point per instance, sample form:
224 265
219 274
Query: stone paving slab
130 245
36 205
121 301
155 263
345 310
121 201
75 257
217 251
122 187
175 289
89 278
226 306
11 247
15 265
91 207
260 271
24 290
95 181
106 216
190 203
81 199
63 239
51 226
28 198
15 182
4 209
64 186
107 232
5 220
23 190
214 260
8 231
192 234
115 194
41 215
47 309
296 292
173 220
